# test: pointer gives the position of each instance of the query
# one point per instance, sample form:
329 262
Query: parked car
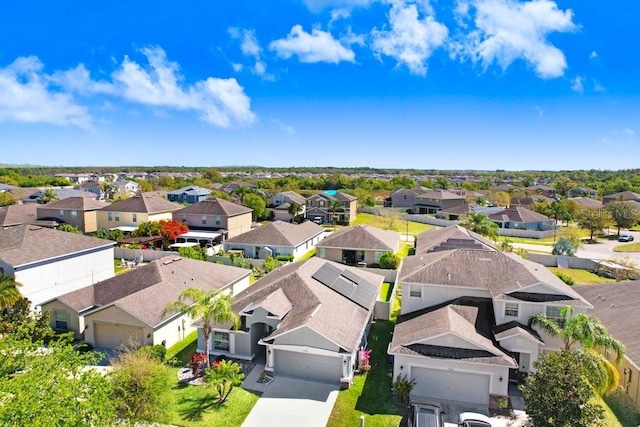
428 415
472 419
625 238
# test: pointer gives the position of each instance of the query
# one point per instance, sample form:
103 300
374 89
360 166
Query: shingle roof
452 237
191 190
587 202
145 291
61 193
623 195
440 195
279 233
76 203
18 214
25 244
295 197
468 318
363 237
145 204
508 329
529 200
214 206
616 305
518 214
314 305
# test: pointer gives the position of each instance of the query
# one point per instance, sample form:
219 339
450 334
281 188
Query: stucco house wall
434 294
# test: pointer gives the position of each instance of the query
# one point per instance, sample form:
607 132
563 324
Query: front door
513 373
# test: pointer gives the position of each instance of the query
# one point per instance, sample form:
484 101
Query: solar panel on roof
327 274
344 287
351 276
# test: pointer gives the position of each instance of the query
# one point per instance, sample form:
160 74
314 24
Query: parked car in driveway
427 415
472 419
625 238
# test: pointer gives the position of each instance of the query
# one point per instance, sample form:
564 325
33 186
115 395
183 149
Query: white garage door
309 366
451 385
109 335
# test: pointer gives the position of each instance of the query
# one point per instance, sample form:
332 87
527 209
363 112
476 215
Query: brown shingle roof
314 305
616 305
18 214
25 244
363 237
518 214
146 291
623 195
76 203
452 237
214 206
440 195
295 197
587 202
279 233
144 203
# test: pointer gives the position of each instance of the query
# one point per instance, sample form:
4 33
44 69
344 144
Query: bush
389 260
157 352
285 258
270 264
565 278
84 347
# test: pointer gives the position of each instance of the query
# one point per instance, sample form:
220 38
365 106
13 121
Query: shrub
285 258
157 352
389 260
402 387
270 264
565 278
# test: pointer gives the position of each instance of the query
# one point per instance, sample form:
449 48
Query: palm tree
334 206
294 210
241 191
9 292
588 332
48 196
224 375
211 308
480 223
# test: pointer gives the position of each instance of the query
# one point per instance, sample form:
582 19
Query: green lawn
404 249
377 221
118 266
308 255
582 277
629 247
183 349
610 419
385 291
626 411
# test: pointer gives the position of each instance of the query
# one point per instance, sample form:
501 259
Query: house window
321 203
74 214
204 220
511 309
109 216
61 213
322 253
61 320
217 220
415 291
221 341
308 202
117 216
553 313
134 217
184 218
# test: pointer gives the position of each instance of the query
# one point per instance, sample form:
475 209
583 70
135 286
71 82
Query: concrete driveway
293 402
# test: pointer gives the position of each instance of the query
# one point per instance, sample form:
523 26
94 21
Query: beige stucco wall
629 376
75 323
116 316
238 224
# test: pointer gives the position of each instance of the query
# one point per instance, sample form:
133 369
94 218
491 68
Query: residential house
518 217
456 212
587 202
543 190
582 192
332 207
230 219
92 187
49 263
358 244
624 196
614 305
18 214
230 187
126 188
60 194
404 197
436 200
281 202
77 178
277 238
5 187
526 202
190 195
127 310
128 214
464 333
305 320
80 212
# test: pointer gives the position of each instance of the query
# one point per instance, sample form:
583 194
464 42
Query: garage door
450 385
309 366
109 335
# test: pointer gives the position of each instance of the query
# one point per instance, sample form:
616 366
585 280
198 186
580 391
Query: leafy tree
294 210
442 182
482 201
541 206
270 264
54 387
573 209
500 198
558 394
562 184
480 223
402 181
24 324
558 211
212 175
171 229
241 191
9 292
623 214
193 252
257 203
148 229
69 228
365 199
48 196
213 307
390 260
334 206
223 376
114 235
6 199
390 219
594 220
568 243
140 386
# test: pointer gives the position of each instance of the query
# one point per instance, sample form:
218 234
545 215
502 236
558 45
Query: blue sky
468 84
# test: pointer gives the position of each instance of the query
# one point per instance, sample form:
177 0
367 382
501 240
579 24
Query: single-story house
80 212
304 320
191 194
357 244
214 214
542 189
530 200
587 202
582 192
60 194
49 262
126 310
614 304
129 213
623 196
519 217
277 238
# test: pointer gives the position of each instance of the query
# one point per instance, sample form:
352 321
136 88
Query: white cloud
410 40
598 87
285 127
629 133
319 5
317 46
593 55
250 47
220 102
578 84
337 14
507 30
26 96
540 112
79 80
237 67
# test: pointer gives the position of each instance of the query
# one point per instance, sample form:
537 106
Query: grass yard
308 255
629 247
385 291
541 242
377 221
404 249
582 277
626 411
610 419
119 268
183 349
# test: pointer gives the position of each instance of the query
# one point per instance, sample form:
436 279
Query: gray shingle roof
440 194
214 206
452 237
616 305
25 244
279 233
76 203
518 214
145 204
363 237
295 197
587 202
623 195
192 190
515 328
61 193
314 305
145 291
18 214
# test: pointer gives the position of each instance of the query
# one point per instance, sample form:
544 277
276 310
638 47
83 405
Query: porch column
270 356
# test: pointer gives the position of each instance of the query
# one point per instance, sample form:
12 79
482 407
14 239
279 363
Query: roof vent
612 305
192 279
173 272
448 276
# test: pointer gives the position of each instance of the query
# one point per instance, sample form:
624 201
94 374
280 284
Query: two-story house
229 219
332 207
464 332
77 211
128 214
404 197
434 201
281 203
190 195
